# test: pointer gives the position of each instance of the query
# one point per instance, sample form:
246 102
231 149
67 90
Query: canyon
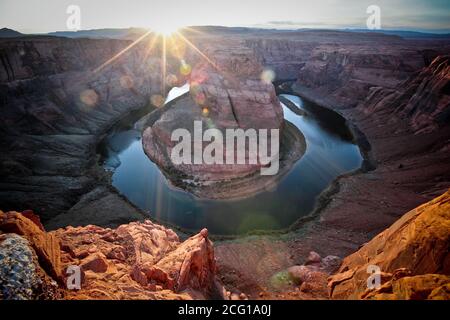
57 104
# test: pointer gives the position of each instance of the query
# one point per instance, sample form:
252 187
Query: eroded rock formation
226 92
413 257
140 260
58 97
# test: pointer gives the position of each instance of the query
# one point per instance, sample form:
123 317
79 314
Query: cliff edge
412 256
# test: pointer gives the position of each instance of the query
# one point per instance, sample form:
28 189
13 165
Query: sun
166 28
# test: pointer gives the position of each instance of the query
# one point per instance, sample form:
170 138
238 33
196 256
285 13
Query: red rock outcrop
412 255
140 260
45 245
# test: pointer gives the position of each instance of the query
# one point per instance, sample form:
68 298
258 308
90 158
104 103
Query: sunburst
167 33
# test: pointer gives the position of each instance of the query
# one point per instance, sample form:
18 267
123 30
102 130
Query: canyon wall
58 97
398 125
57 103
337 69
423 99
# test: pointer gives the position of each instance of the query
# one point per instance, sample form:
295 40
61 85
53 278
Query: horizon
401 15
442 32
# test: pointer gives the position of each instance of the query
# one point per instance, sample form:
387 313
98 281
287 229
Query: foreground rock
412 255
57 102
311 278
140 260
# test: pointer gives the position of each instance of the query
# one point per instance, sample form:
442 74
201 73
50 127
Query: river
328 155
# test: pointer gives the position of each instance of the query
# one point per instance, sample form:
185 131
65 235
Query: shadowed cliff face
56 85
424 99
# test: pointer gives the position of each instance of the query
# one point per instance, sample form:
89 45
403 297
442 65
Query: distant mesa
126 34
9 33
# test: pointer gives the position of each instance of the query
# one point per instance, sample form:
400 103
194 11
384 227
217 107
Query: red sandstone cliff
413 256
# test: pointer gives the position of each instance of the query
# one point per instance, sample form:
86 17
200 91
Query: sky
39 16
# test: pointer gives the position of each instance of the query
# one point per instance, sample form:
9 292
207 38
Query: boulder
313 258
95 262
21 276
226 92
331 264
140 260
45 245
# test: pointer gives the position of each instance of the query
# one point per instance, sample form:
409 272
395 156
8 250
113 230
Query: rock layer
412 254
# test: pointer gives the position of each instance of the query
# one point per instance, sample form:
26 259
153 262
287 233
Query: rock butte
231 90
140 260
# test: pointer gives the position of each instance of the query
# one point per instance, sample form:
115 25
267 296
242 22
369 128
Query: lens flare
268 76
89 97
166 28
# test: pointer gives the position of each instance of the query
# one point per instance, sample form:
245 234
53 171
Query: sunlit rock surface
412 255
424 99
57 100
140 260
